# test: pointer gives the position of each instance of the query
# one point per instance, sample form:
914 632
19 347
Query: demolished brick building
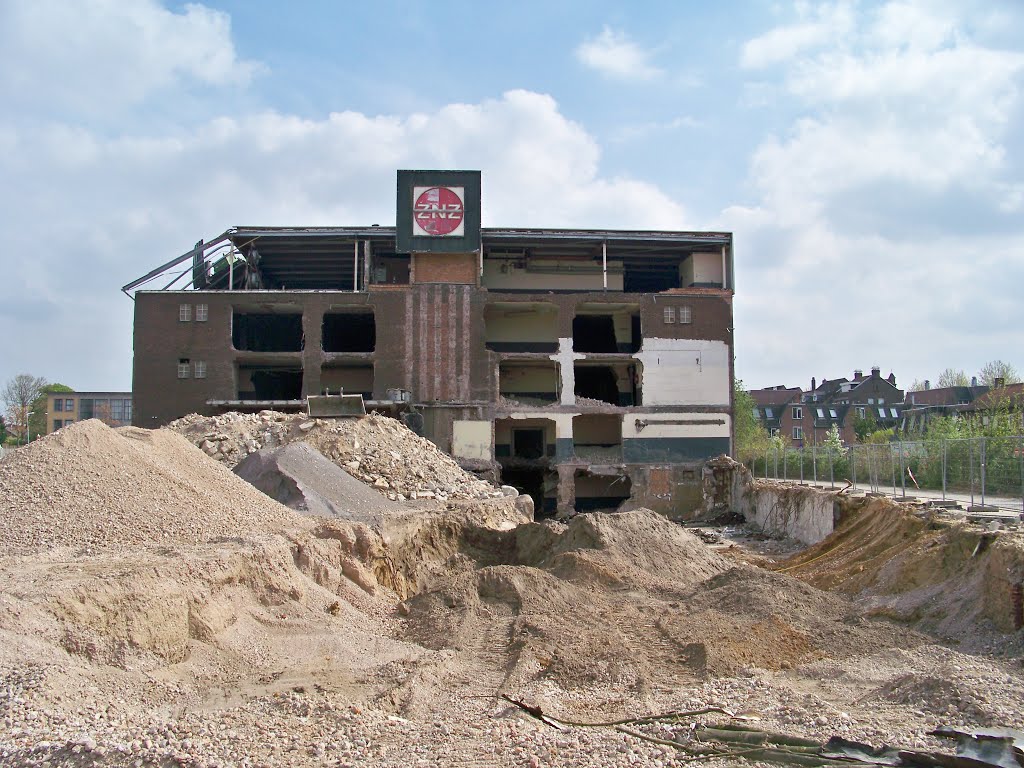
588 368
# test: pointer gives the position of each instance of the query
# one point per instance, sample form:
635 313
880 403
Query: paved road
1006 504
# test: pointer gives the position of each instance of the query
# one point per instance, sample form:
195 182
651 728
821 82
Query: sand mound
380 451
303 479
88 485
627 602
943 575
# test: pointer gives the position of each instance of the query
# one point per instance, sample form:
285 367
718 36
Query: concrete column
566 490
312 351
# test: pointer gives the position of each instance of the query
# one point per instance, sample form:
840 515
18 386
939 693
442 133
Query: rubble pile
380 451
155 609
88 485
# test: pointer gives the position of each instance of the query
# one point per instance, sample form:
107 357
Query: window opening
669 314
528 443
595 329
798 433
202 312
601 492
183 368
351 379
798 413
58 404
521 327
184 313
269 383
349 332
200 370
614 384
597 437
538 483
685 314
528 383
267 332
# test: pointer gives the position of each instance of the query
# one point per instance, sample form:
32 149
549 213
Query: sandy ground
153 612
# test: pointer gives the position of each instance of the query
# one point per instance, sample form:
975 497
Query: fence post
775 461
892 468
1020 451
785 458
903 472
981 461
766 462
831 468
943 469
970 461
814 463
802 466
853 463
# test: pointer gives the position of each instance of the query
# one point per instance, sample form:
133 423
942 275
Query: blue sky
868 156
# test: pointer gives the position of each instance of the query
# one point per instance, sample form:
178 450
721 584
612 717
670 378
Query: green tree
864 425
40 406
953 377
752 438
997 369
3 431
19 393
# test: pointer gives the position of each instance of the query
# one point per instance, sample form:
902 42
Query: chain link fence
985 471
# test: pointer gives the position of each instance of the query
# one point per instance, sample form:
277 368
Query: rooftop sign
438 211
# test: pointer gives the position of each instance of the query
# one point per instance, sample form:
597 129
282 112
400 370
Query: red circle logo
438 211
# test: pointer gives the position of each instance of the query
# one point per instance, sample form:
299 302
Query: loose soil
157 610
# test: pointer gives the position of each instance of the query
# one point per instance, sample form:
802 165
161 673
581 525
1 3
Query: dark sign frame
468 242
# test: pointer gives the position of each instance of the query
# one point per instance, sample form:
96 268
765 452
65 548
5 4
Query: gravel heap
380 451
89 485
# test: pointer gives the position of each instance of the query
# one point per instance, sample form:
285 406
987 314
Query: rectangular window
183 368
202 312
895 413
68 421
798 413
862 412
670 314
773 432
117 409
871 401
86 410
769 413
184 312
56 424
881 412
200 369
757 414
58 404
685 315
881 401
127 410
798 433
69 405
832 413
820 412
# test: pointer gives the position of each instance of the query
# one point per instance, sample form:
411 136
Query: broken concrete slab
302 478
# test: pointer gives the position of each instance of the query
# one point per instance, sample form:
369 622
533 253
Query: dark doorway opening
349 332
531 483
269 383
528 443
267 332
593 333
597 382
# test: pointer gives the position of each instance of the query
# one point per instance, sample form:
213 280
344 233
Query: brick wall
456 268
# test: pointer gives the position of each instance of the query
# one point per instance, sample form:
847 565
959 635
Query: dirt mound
941 574
626 601
301 478
88 485
380 451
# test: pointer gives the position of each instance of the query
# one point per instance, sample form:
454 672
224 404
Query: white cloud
613 54
86 214
92 55
888 197
816 27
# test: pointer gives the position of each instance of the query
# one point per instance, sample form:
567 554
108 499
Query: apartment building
63 408
589 368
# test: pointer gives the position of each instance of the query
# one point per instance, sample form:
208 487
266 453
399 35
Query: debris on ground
156 609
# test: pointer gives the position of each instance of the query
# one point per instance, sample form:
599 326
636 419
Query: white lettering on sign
438 211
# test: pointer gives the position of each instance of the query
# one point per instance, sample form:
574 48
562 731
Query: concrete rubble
158 610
